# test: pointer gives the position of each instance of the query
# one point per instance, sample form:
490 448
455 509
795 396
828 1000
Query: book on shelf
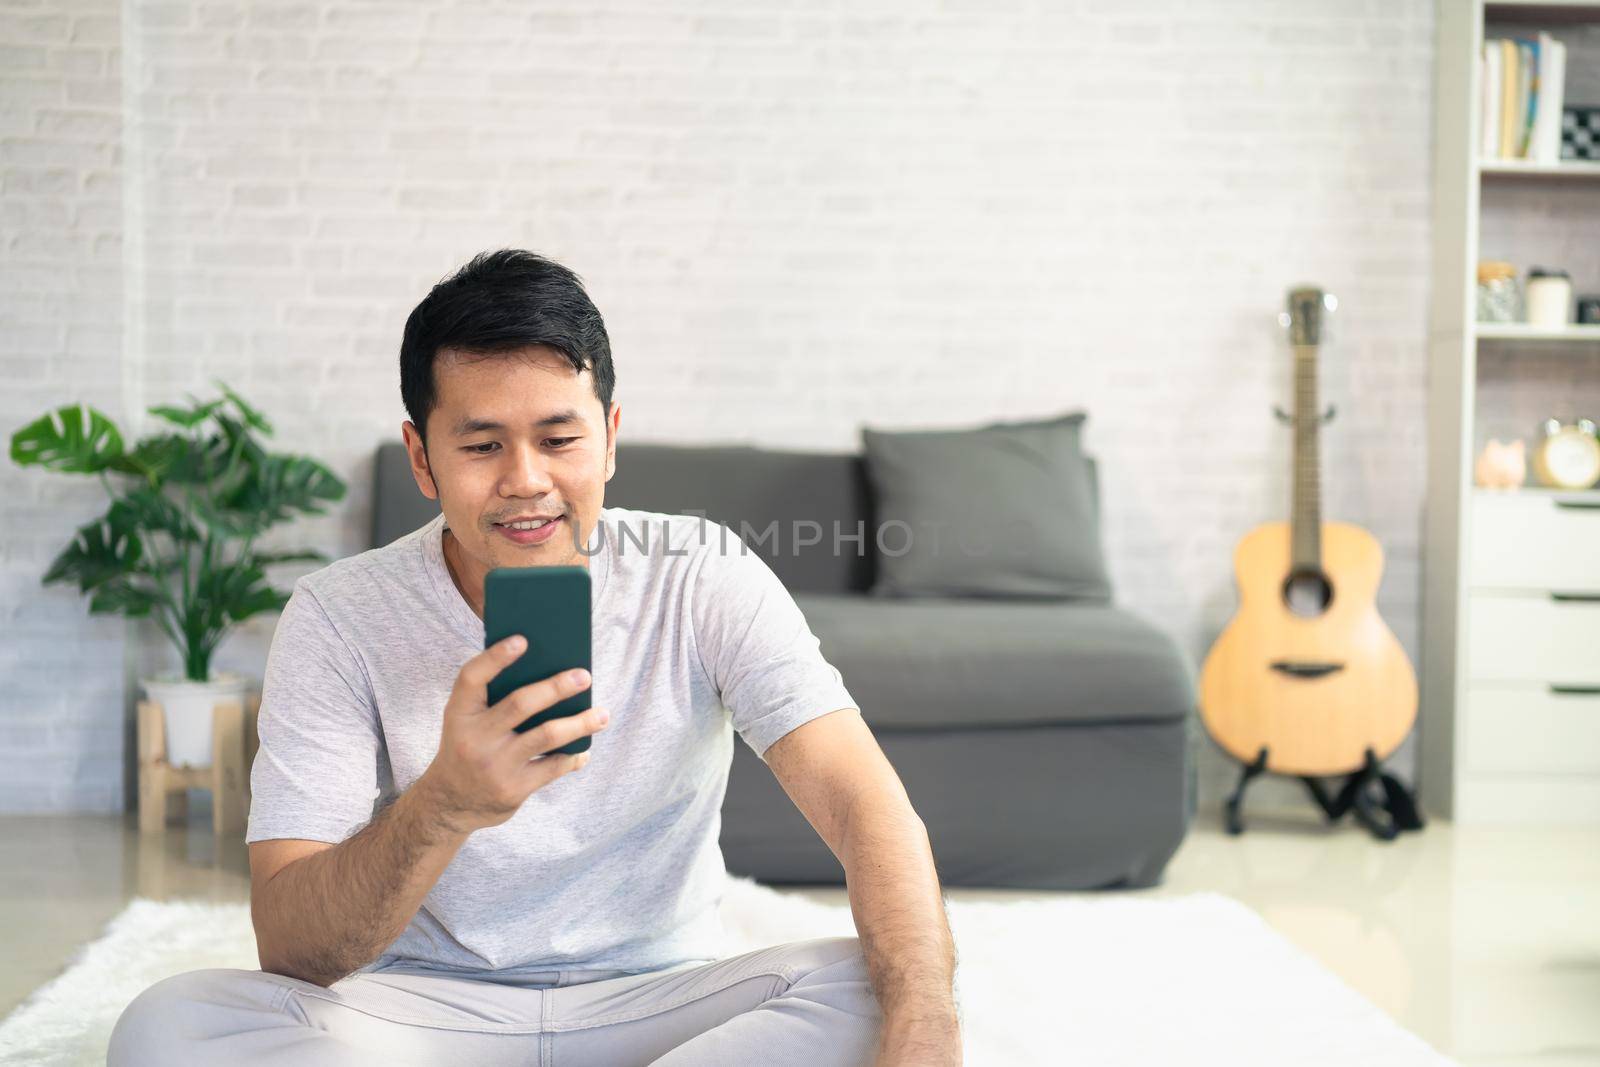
1489 82
1523 82
1547 123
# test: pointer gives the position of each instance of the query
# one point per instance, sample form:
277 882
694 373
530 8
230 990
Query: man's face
515 436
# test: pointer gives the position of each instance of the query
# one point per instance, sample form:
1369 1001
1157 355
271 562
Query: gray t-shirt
614 866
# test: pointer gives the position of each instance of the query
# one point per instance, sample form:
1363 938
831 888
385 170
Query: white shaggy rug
1079 979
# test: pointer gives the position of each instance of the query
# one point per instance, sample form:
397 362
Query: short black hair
499 303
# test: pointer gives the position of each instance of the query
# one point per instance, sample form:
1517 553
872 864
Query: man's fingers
476 674
553 733
528 700
539 773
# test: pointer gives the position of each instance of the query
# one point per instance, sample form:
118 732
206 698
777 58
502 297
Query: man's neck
455 563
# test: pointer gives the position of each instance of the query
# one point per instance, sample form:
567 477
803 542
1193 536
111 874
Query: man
429 887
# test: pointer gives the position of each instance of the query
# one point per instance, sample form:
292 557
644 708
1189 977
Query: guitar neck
1305 522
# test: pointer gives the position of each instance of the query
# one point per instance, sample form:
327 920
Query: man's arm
834 771
322 911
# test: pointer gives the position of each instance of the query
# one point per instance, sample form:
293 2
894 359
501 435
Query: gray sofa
1045 744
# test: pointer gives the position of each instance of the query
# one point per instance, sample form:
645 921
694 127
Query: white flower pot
187 709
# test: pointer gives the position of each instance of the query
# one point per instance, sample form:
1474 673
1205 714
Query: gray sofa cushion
398 506
1002 510
806 513
932 664
1089 806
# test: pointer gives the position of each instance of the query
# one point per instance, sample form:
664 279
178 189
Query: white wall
61 339
796 221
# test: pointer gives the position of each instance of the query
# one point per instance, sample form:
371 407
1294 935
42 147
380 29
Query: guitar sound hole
1307 593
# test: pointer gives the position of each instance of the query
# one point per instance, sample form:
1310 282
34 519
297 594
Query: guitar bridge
1305 668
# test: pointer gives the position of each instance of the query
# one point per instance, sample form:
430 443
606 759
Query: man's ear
418 453
612 425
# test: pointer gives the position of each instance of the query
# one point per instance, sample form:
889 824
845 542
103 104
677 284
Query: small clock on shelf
1568 456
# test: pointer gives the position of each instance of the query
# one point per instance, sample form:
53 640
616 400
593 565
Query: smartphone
550 607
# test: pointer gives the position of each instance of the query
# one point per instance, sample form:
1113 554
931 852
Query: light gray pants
806 1002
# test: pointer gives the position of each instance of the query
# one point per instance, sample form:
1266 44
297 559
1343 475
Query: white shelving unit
1517 331
1510 725
1520 168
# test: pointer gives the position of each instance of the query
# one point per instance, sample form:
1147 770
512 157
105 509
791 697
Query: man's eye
484 448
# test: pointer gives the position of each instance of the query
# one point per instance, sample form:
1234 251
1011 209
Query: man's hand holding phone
484 769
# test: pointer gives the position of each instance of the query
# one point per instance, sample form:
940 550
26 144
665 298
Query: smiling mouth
530 533
532 524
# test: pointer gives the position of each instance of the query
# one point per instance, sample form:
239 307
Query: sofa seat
953 664
1045 745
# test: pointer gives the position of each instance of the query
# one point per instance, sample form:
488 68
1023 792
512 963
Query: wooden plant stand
233 748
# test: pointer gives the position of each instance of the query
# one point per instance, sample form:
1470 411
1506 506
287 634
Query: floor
1486 942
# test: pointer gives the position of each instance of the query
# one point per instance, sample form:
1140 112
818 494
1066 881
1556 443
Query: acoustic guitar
1306 679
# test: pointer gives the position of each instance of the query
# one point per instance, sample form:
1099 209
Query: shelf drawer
1520 799
1529 729
1534 540
1532 638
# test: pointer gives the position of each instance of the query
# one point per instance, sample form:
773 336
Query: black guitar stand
1386 816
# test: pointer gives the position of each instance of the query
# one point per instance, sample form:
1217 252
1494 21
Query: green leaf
188 418
281 485
269 558
250 415
157 457
203 464
148 508
257 601
75 439
233 592
99 553
233 450
183 460
121 596
228 524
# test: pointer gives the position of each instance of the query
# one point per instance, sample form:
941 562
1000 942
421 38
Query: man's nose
526 473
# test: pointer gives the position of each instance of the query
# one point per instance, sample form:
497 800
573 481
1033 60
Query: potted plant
177 544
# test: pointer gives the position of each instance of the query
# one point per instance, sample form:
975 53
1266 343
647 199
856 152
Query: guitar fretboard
1305 521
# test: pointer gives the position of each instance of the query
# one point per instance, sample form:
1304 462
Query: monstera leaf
232 457
202 462
308 556
188 417
98 553
75 439
125 596
253 418
156 458
234 592
220 461
235 440
282 485
148 508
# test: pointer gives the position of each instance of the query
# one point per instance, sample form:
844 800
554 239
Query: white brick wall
61 670
796 220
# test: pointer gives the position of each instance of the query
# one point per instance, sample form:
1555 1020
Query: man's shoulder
368 574
690 546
